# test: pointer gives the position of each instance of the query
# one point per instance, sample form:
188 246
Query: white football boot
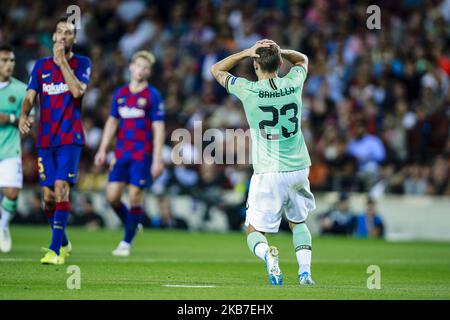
273 270
122 250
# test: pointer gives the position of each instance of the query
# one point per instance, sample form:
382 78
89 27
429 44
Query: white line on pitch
187 286
15 259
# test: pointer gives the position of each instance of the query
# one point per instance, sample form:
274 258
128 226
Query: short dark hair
269 58
64 18
6 47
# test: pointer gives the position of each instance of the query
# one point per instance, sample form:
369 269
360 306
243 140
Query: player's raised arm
220 69
295 57
64 38
27 104
108 133
76 87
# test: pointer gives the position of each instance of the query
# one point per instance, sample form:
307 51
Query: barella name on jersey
277 93
55 88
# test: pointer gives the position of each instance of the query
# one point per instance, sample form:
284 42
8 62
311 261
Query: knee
61 191
11 193
49 201
113 198
136 198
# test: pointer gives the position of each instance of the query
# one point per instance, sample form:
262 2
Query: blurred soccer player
280 159
137 111
12 92
60 81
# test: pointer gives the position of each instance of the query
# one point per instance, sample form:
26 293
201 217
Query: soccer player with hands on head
281 161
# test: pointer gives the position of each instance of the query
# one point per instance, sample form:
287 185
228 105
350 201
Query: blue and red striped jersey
136 113
60 112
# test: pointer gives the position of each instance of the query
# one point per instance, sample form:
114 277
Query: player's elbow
303 60
213 70
78 90
77 93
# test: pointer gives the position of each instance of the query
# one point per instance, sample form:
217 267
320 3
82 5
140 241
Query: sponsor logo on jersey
55 88
46 75
131 112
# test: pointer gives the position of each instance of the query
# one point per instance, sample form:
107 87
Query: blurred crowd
376 112
342 220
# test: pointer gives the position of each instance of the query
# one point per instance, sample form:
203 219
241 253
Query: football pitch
186 265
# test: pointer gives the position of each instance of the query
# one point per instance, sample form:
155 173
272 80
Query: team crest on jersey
120 100
43 177
142 102
12 99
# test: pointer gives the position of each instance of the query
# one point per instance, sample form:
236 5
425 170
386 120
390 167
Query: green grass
412 270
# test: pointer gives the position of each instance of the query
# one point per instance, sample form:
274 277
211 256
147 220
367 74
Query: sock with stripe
301 238
257 243
133 218
59 225
8 208
121 211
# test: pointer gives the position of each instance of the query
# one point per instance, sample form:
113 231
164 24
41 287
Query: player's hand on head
267 41
25 124
259 44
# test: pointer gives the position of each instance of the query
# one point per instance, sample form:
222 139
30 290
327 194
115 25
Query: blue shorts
132 172
58 163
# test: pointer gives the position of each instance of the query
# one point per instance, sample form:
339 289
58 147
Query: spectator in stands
339 220
164 218
35 213
369 224
343 166
439 180
415 182
88 218
369 150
